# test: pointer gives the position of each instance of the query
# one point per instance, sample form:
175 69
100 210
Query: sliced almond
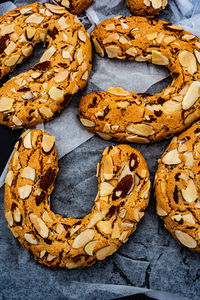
117 91
30 32
95 218
192 95
185 239
9 178
105 251
55 8
115 231
189 160
141 129
81 36
9 218
34 18
7 29
17 215
27 141
190 193
12 60
113 51
161 212
36 75
111 37
98 48
60 228
25 191
137 139
197 54
171 158
39 225
156 4
48 142
122 213
105 227
83 238
104 136
46 217
159 59
28 173
16 121
171 106
188 61
87 123
50 257
46 111
30 238
10 48
108 167
56 93
89 248
48 54
106 189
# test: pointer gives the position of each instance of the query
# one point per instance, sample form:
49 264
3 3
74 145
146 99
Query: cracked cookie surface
75 7
42 92
123 193
142 118
177 187
146 7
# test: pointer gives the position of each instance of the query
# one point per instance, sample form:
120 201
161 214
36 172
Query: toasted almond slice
30 238
27 141
156 4
190 193
89 248
46 111
105 251
141 129
56 93
106 189
48 142
87 123
83 238
98 48
25 191
39 225
105 227
28 173
161 212
188 61
171 158
12 60
9 178
5 103
185 239
117 91
159 59
35 19
48 54
108 167
192 95
9 218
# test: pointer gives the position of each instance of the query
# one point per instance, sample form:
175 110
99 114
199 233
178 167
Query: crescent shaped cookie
42 92
129 117
177 188
75 7
146 7
123 193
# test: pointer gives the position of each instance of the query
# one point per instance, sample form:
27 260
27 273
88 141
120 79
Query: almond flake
185 239
117 91
28 173
105 251
83 238
190 193
108 167
25 191
48 54
188 61
39 225
113 51
171 158
5 103
159 59
141 129
81 36
87 123
9 218
27 141
98 48
89 248
56 93
11 61
30 238
9 178
34 19
192 95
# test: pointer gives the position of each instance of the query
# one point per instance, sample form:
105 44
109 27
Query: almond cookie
76 7
123 193
146 7
43 91
177 187
130 117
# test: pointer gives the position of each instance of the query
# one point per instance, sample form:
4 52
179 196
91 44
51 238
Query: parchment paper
151 262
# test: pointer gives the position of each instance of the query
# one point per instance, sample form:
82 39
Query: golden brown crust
146 7
75 7
43 91
142 118
177 187
123 193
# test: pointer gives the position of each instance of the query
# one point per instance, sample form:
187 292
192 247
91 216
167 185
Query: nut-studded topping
192 95
185 239
161 212
83 238
104 252
56 93
30 238
48 54
87 123
140 129
171 158
190 193
89 248
39 225
5 104
47 143
9 177
188 61
27 141
73 242
55 8
35 19
108 167
159 59
28 173
81 36
9 218
25 191
30 32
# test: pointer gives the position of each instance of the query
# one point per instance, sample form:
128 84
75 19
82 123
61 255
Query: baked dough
146 7
123 193
129 117
42 92
75 7
177 188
